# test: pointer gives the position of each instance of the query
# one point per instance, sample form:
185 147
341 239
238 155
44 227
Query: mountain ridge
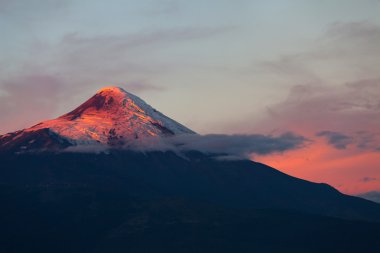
111 117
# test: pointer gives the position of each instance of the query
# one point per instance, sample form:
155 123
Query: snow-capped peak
112 116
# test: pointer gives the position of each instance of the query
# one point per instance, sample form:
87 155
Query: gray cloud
226 147
367 140
336 139
89 148
293 67
363 31
32 90
352 109
363 140
141 86
117 45
368 179
243 145
142 39
350 48
117 58
165 7
348 53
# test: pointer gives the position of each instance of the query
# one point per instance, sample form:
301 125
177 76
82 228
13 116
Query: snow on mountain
112 116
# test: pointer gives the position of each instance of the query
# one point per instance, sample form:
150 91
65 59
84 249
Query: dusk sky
227 67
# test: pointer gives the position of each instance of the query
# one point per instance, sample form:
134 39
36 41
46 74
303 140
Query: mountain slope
194 175
134 202
111 117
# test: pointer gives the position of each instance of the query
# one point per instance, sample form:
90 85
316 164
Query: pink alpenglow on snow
111 116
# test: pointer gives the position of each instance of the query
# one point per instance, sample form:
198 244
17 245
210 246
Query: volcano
111 117
125 200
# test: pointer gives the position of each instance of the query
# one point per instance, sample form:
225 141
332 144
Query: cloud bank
228 146
240 145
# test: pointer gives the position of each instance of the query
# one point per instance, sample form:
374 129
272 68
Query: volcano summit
112 117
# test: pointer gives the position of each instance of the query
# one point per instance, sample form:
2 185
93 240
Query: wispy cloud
142 39
369 179
346 52
164 7
350 108
139 86
31 90
336 139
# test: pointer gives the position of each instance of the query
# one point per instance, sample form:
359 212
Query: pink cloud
343 124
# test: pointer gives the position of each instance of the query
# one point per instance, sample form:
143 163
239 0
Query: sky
245 67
